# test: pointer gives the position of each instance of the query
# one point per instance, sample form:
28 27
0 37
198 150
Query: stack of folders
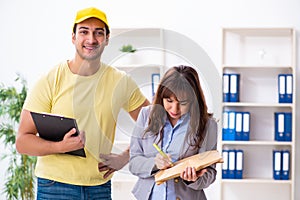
236 126
232 167
281 164
285 88
283 126
231 87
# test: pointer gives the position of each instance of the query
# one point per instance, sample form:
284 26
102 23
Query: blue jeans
50 190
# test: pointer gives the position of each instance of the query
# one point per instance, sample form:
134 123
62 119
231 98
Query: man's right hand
71 142
27 141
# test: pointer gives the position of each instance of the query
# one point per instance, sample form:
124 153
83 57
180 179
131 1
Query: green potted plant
127 49
20 179
128 57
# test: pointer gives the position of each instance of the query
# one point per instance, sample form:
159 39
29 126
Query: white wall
35 35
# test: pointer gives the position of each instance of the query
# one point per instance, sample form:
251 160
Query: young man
93 93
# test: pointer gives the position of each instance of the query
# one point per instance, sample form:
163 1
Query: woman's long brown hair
183 82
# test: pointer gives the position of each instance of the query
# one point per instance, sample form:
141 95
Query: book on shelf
285 88
281 164
225 155
226 89
246 126
199 161
283 126
285 173
233 165
231 87
236 126
239 154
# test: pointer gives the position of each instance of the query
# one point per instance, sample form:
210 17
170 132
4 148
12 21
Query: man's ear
107 39
73 37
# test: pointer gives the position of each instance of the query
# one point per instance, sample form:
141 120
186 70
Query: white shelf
257 143
251 104
258 31
130 67
256 67
256 181
251 46
259 55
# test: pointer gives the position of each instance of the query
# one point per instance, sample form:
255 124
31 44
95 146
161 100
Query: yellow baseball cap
88 13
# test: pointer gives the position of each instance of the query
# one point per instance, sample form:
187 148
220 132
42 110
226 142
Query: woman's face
175 108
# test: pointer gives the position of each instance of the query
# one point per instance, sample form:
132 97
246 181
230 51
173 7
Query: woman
178 122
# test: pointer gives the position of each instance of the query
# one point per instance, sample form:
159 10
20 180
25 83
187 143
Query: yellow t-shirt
95 102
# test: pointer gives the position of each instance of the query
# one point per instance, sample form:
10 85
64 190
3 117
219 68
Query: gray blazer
142 162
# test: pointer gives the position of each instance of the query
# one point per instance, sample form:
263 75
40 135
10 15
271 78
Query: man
93 93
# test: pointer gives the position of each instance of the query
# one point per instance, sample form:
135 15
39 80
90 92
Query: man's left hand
112 162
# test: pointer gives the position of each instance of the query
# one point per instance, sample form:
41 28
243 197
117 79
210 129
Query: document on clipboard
54 127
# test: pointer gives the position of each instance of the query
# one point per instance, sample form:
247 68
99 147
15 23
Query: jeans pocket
42 182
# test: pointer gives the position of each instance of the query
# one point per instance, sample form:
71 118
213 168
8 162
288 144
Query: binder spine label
234 87
225 164
231 126
226 85
279 126
238 126
285 165
281 88
276 165
225 128
289 88
246 126
239 164
231 165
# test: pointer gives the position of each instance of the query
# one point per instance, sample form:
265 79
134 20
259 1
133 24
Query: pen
163 154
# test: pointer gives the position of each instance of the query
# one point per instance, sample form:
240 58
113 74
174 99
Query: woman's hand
161 162
190 174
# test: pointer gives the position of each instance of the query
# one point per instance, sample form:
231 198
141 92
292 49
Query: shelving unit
259 55
140 65
157 49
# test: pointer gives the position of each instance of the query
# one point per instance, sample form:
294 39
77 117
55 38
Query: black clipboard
54 127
